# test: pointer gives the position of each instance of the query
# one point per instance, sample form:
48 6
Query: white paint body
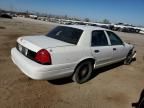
65 57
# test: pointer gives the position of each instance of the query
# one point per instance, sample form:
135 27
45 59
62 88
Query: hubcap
83 72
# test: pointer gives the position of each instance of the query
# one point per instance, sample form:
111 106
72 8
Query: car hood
39 42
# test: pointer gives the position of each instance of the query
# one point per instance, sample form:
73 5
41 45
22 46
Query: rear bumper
38 71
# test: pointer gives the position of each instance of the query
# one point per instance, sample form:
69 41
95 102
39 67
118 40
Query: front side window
99 38
66 34
115 40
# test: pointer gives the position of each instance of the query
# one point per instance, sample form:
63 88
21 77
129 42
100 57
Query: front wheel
83 72
130 57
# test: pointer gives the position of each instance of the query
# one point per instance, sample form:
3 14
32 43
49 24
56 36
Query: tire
128 59
83 72
141 105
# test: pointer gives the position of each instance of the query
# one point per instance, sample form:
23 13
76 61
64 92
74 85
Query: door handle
114 49
96 51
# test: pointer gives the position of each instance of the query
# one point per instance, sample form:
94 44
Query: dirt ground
115 86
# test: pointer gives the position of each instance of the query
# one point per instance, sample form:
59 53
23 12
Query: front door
117 46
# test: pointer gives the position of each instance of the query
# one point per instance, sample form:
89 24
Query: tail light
43 57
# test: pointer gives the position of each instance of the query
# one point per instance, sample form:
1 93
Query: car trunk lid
35 43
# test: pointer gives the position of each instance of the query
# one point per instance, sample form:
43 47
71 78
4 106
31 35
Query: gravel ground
115 86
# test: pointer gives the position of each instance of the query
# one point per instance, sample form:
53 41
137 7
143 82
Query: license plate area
22 49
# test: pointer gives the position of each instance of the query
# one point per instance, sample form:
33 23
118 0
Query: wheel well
88 59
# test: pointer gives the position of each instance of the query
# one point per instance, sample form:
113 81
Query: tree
87 20
65 17
106 21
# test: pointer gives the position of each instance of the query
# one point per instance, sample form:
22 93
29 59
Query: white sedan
69 51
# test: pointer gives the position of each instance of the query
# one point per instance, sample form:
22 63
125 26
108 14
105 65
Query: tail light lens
43 57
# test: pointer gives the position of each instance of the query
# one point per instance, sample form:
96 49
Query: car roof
85 27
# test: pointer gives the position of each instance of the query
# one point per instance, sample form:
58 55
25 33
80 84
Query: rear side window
99 38
66 34
115 40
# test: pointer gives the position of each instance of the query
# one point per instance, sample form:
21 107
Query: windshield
66 34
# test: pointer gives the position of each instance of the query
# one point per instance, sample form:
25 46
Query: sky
126 11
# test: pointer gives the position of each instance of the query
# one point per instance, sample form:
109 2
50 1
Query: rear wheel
83 72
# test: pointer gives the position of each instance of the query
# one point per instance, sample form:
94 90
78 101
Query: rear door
117 45
101 50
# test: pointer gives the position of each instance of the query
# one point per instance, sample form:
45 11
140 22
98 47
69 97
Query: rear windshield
66 34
